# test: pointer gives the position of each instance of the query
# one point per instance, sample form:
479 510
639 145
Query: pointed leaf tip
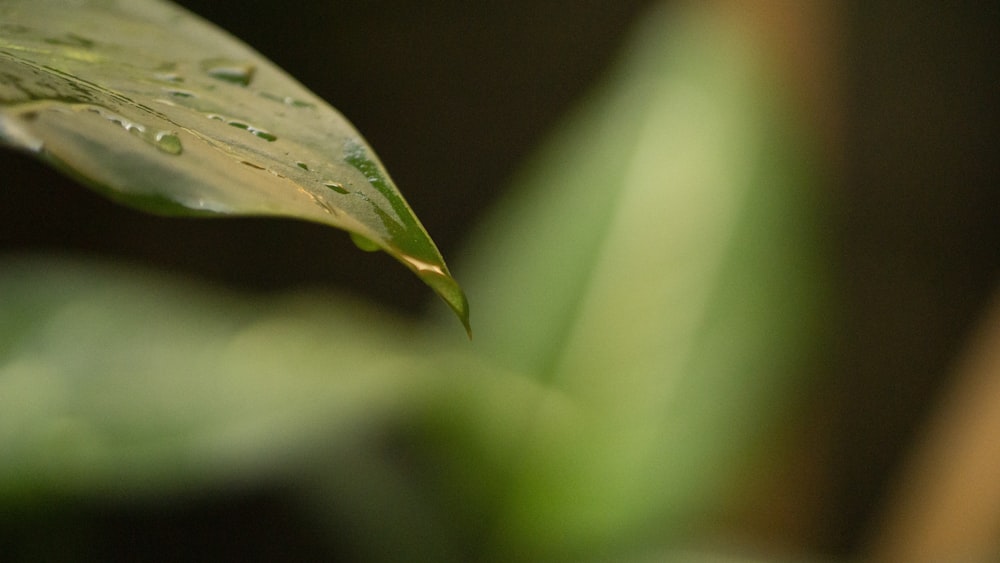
447 288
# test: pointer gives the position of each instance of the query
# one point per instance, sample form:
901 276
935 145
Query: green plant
645 300
116 93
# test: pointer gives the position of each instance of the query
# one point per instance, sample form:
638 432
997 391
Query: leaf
667 281
227 390
96 399
161 110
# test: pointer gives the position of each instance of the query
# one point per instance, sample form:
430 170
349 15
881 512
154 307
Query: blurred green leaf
117 383
659 265
161 110
129 386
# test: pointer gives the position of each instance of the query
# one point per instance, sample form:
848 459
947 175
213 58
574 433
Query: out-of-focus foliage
645 298
658 266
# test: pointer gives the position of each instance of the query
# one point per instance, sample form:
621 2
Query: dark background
453 95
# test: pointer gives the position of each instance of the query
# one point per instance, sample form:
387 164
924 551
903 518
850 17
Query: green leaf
161 110
659 265
121 384
219 387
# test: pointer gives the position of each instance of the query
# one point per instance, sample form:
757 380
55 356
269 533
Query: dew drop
227 70
262 134
440 280
169 77
256 131
70 40
298 103
181 94
287 100
167 72
169 142
364 243
134 128
337 187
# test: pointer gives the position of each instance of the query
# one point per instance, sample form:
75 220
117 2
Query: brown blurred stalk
947 504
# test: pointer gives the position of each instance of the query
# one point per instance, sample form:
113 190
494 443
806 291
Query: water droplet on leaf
262 134
169 142
169 77
234 72
364 243
287 100
70 40
337 187
441 281
256 131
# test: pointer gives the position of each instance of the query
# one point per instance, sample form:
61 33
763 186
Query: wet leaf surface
159 109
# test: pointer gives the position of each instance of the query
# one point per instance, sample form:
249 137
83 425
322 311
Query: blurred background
453 96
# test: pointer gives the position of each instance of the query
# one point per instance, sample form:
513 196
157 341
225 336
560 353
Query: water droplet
337 187
131 127
167 72
302 165
169 142
256 131
287 100
166 141
70 40
227 70
441 282
422 267
262 134
169 77
180 93
364 243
